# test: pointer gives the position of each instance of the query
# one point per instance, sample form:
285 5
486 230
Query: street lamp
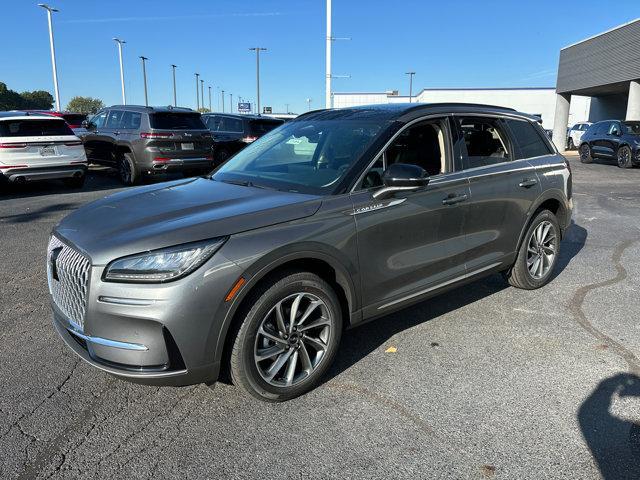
222 101
120 43
202 92
175 98
231 102
258 50
50 10
144 77
411 74
197 92
210 108
308 104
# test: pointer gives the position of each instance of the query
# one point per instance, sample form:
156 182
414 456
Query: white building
536 101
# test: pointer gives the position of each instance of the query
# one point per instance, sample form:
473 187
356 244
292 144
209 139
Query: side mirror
402 177
86 124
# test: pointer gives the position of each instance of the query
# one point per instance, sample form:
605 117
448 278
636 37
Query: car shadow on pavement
362 340
37 214
614 441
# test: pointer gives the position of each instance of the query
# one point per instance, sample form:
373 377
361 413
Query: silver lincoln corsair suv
327 221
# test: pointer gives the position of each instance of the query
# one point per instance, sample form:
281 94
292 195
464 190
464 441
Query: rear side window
34 128
131 120
258 128
176 121
485 140
114 119
224 124
527 139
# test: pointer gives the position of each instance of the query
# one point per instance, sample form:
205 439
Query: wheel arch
305 258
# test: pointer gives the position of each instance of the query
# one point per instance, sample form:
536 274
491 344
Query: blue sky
461 43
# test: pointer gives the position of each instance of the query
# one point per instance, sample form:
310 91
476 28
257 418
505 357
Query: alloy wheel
624 157
585 153
124 169
541 250
292 339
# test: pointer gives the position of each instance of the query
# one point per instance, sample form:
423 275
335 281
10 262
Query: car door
411 243
503 185
128 128
94 142
611 141
598 141
111 132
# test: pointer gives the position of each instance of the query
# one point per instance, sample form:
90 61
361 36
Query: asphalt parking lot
486 381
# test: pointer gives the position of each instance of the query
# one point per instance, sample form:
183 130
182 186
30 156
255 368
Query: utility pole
328 101
308 104
231 102
411 74
258 50
50 10
175 98
144 76
202 92
210 109
120 43
222 101
197 92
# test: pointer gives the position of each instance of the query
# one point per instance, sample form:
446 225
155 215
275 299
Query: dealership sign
244 107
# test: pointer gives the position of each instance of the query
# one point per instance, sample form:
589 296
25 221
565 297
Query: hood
172 213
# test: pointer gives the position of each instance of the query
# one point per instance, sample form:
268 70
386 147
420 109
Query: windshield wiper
247 183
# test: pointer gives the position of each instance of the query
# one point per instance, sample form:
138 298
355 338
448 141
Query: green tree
10 100
84 105
38 100
204 110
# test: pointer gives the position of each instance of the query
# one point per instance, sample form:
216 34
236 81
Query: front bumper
156 334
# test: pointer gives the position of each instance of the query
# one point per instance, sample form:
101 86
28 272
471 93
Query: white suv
40 147
574 135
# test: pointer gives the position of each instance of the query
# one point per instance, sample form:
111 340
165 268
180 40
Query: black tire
260 305
520 275
571 145
624 157
128 171
75 182
585 153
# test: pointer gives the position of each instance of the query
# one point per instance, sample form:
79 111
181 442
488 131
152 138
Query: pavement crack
575 306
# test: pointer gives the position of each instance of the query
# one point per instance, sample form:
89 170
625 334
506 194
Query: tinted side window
99 119
485 141
114 119
527 138
131 120
233 125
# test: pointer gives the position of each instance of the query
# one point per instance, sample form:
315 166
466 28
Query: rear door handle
528 183
453 199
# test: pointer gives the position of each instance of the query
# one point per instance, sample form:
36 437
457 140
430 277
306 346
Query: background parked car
145 141
39 147
612 139
574 135
74 120
231 133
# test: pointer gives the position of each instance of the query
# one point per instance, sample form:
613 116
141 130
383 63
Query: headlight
163 265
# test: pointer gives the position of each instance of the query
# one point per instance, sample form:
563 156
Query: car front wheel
571 144
624 157
538 253
585 153
288 337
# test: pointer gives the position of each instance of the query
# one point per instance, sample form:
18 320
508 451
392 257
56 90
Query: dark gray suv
330 220
146 141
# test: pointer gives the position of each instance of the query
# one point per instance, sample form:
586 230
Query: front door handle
528 183
453 199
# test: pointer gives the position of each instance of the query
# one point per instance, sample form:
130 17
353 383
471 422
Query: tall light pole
308 104
50 10
222 101
329 39
210 108
411 74
175 98
231 102
258 50
202 92
144 77
197 92
120 43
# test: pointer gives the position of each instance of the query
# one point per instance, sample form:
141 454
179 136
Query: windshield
303 156
632 127
176 121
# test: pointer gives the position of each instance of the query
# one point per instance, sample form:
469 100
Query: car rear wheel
538 253
127 170
624 157
288 337
585 154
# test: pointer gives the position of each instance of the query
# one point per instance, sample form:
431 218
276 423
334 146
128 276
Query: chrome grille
69 291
